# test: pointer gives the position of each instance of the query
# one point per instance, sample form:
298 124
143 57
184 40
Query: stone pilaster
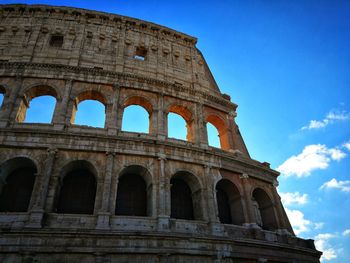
161 122
112 112
163 195
60 113
104 214
41 187
248 209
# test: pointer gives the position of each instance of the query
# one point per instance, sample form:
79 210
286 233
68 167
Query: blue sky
287 65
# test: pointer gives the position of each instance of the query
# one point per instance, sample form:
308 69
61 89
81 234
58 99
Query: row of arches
76 193
38 105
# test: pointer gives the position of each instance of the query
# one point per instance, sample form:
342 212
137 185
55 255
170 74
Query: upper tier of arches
113 102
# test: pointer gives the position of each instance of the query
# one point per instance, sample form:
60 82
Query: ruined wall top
90 39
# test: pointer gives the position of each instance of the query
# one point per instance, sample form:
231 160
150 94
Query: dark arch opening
229 203
134 194
131 196
264 210
181 200
17 180
78 190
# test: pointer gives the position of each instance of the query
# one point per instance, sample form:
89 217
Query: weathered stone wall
96 61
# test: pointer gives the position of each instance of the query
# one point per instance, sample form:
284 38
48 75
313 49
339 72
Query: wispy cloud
293 198
322 244
313 157
347 145
346 233
343 186
331 117
298 222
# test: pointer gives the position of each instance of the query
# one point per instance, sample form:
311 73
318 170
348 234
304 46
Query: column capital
52 151
162 157
111 153
244 176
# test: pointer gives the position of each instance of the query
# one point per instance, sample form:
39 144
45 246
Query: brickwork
76 55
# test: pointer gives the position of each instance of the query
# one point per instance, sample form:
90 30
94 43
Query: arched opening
135 119
229 203
181 200
84 117
17 178
2 95
37 105
41 110
89 109
186 197
222 129
78 189
137 115
134 194
177 127
180 124
264 210
213 135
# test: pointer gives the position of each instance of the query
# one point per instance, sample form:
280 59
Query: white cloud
347 145
331 117
293 198
343 186
319 225
313 157
298 222
346 233
322 244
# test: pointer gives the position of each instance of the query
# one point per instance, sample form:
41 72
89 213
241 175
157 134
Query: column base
164 223
103 221
35 219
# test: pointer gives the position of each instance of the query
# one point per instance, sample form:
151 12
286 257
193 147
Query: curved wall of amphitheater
74 193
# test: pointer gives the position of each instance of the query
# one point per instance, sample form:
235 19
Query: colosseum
75 193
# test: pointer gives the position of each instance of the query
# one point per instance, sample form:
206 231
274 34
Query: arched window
37 105
186 197
180 124
264 210
137 115
229 203
89 109
2 95
17 178
181 200
213 135
78 189
135 119
90 113
222 129
134 194
41 110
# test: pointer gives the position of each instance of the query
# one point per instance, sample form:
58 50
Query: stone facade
76 55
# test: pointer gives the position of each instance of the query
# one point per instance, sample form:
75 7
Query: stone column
281 217
161 123
40 191
60 113
216 227
112 112
11 104
163 196
248 204
105 213
201 133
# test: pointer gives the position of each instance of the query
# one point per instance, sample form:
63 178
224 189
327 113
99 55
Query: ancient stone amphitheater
74 193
